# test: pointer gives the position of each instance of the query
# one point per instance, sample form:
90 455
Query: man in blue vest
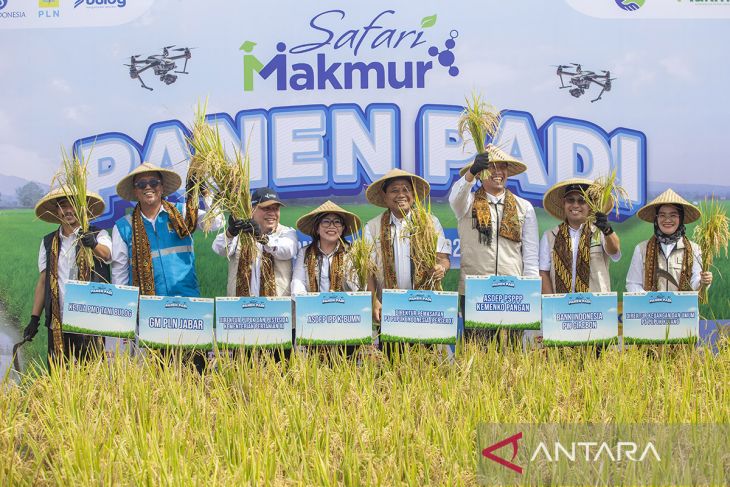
152 248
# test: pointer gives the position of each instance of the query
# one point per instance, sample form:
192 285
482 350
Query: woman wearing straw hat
322 266
575 255
396 191
57 263
498 230
668 261
153 247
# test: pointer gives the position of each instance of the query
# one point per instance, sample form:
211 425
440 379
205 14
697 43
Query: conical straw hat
171 181
376 195
498 155
47 207
669 197
552 201
305 224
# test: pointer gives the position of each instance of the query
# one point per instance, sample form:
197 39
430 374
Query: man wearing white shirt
58 263
575 255
396 192
497 229
270 268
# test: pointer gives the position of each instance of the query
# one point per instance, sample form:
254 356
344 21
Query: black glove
88 239
235 225
481 163
250 226
30 331
602 223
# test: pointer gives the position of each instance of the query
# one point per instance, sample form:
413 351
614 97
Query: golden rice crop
423 238
478 122
712 235
410 420
360 258
604 196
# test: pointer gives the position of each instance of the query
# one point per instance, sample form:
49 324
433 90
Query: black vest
101 272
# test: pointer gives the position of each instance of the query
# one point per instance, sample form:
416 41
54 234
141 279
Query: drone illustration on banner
580 81
161 64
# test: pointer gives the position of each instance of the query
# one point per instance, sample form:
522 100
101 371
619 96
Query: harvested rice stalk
360 258
605 195
424 239
712 235
478 122
72 179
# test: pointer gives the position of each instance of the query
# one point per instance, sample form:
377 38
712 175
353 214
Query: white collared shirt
299 281
402 247
546 253
120 256
282 245
635 276
67 268
461 200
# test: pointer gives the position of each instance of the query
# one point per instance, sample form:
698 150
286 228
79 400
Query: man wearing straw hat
58 261
397 191
322 266
668 261
575 255
153 247
269 269
497 229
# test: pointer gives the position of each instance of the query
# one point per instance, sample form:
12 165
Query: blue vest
173 260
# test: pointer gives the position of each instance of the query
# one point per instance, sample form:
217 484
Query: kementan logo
630 5
372 48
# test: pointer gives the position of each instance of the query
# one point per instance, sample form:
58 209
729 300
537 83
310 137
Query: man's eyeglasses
575 199
143 183
332 223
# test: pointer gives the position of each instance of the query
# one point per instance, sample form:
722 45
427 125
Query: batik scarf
563 260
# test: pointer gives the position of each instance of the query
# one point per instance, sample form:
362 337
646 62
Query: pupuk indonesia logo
381 55
630 5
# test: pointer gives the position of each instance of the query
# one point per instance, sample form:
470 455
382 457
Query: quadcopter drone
580 81
161 65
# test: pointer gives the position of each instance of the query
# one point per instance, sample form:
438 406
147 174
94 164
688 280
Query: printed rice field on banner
261 322
176 322
100 309
419 316
502 302
579 319
342 318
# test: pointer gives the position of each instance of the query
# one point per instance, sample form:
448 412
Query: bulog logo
101 3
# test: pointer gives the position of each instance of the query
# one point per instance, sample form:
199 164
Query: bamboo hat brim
496 154
47 207
552 201
306 223
376 195
669 197
171 181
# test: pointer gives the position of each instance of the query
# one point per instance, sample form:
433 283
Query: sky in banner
579 317
682 321
101 307
344 316
276 311
71 84
426 314
493 291
176 321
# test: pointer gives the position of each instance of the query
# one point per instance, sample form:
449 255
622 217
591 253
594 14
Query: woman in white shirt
322 266
668 261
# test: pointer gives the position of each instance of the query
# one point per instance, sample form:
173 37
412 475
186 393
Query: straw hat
171 182
669 197
47 207
305 224
553 199
496 154
376 195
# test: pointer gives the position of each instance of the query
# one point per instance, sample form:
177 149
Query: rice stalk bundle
478 122
712 234
72 178
360 258
420 230
604 196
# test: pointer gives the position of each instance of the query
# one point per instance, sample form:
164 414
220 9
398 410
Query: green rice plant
712 234
660 341
86 331
497 326
604 196
351 341
580 343
384 337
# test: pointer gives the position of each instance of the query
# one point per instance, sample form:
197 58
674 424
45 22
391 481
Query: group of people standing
152 247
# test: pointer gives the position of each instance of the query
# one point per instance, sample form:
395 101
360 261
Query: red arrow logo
487 452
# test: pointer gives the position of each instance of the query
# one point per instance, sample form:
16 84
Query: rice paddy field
323 419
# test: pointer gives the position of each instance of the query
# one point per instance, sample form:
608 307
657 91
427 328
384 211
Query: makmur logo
630 5
381 54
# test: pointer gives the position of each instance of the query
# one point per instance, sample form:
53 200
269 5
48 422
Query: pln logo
376 54
630 5
48 3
